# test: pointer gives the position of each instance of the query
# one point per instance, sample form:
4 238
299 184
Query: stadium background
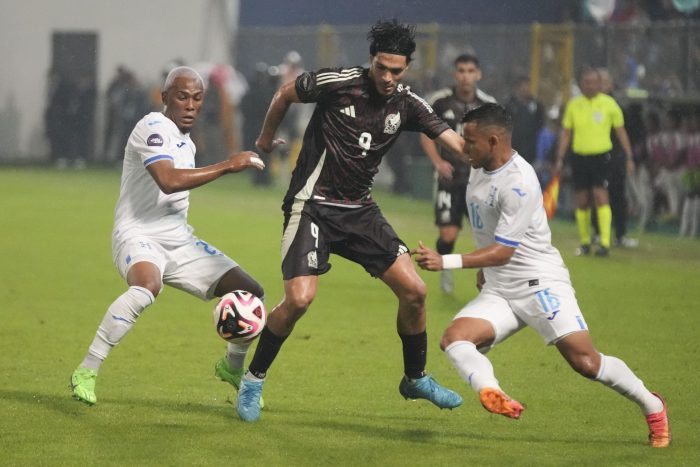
333 400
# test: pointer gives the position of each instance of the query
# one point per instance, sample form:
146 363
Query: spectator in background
528 118
690 218
56 117
590 117
218 132
126 102
292 127
254 111
546 147
84 121
665 148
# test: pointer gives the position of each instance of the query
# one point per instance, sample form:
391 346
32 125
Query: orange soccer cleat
496 401
659 429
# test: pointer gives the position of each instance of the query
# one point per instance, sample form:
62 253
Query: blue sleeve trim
153 159
506 242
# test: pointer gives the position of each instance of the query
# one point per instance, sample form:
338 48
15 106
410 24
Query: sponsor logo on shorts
312 259
154 140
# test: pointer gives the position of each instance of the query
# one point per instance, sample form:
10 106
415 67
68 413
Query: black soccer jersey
451 109
351 129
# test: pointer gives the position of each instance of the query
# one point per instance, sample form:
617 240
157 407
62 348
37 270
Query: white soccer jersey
505 206
143 209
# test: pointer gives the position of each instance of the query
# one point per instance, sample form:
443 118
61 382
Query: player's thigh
238 279
196 267
150 257
305 250
553 312
497 311
403 279
369 240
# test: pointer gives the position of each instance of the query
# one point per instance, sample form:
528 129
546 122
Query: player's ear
164 97
493 140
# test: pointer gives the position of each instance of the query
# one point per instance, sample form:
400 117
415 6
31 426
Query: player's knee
414 295
478 333
585 365
152 286
298 303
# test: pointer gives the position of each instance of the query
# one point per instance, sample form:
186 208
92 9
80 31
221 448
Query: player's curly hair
390 36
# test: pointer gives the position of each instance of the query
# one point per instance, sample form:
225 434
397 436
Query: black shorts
313 231
450 203
590 171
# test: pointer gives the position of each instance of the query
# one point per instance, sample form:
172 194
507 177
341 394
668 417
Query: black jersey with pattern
451 109
351 129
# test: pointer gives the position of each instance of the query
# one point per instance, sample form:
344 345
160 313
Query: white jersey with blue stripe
505 206
143 209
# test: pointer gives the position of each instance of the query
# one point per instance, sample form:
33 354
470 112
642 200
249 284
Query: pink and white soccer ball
239 316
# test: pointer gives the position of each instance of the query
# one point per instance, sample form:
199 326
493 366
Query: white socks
477 370
615 374
235 354
472 365
120 317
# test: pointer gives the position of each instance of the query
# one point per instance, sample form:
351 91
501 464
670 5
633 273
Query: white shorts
193 266
552 312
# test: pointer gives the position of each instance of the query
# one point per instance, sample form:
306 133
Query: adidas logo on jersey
349 111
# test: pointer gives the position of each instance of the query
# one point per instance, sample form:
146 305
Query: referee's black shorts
591 170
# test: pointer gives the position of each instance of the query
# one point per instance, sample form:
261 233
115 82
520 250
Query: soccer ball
239 317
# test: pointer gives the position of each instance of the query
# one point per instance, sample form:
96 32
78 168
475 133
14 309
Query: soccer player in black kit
450 203
329 208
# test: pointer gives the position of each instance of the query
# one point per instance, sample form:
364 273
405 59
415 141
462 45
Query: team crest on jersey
392 122
154 140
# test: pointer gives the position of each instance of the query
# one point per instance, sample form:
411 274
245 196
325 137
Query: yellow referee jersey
590 121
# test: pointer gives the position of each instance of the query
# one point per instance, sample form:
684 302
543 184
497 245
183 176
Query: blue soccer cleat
427 388
248 402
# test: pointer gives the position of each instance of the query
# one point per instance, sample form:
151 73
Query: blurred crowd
664 192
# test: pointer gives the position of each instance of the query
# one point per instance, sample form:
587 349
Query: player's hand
242 160
426 258
444 169
480 279
268 146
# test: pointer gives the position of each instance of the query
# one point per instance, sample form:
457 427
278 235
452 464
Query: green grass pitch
332 396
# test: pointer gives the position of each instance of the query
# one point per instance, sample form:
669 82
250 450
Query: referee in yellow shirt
590 117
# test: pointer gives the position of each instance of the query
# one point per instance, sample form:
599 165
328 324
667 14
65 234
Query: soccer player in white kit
152 243
522 278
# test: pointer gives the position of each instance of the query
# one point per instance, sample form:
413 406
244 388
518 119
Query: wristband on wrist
453 261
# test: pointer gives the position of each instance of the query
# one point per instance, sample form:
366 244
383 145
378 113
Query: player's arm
443 167
490 256
562 147
285 96
451 141
624 139
171 180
